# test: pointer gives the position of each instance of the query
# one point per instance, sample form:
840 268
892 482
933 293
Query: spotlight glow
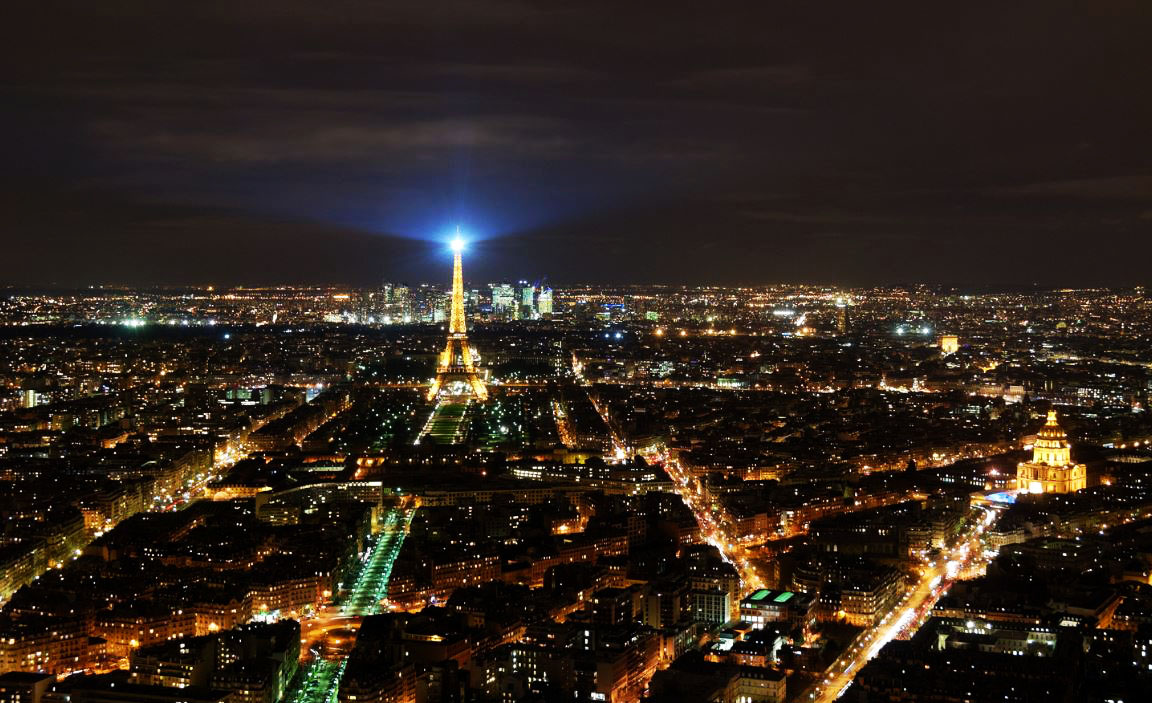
457 243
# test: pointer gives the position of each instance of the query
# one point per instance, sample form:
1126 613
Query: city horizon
953 289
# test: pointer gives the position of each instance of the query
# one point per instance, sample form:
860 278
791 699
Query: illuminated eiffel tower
456 374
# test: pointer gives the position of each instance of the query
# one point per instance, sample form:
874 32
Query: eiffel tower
456 374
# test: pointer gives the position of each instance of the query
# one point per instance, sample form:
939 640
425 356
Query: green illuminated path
446 424
319 680
371 584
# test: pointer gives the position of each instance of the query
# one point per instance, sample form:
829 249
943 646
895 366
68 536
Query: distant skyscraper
443 303
428 303
395 304
527 296
401 304
544 302
842 316
503 299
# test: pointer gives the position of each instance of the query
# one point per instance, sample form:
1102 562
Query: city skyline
786 494
522 351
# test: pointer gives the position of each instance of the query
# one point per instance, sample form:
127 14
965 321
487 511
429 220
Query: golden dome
1052 431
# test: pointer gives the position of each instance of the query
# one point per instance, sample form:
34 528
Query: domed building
1051 469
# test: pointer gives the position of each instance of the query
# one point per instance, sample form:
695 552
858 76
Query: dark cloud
752 142
1136 188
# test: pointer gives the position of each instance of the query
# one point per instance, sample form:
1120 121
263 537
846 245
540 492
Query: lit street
319 679
905 616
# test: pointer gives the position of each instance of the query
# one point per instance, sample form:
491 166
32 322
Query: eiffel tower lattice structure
456 374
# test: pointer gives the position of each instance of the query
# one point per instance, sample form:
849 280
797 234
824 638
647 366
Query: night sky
845 142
